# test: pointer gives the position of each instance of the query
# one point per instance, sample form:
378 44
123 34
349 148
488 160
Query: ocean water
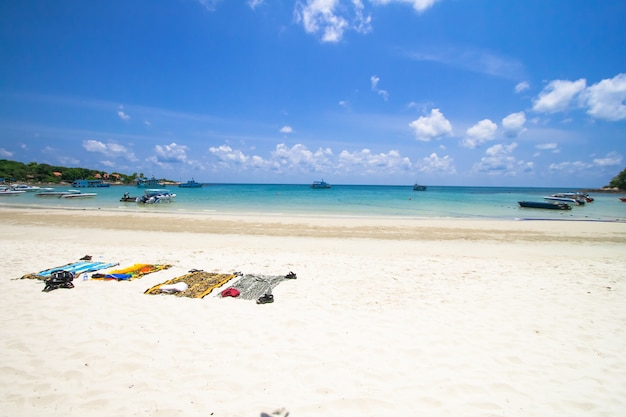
341 200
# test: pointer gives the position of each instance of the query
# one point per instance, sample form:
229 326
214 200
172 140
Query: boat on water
127 198
53 193
148 183
581 198
156 196
190 184
556 205
25 187
320 184
623 199
78 194
563 199
90 184
8 192
419 187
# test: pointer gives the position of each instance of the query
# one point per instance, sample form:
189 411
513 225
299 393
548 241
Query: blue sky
442 92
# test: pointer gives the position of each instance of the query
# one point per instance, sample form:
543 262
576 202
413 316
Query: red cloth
230 292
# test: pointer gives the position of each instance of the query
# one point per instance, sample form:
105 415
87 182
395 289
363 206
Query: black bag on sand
59 279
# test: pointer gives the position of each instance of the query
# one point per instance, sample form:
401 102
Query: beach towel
131 272
199 284
253 286
75 267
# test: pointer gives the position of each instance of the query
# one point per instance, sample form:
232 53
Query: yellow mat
200 284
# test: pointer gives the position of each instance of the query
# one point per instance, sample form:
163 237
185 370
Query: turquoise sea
341 200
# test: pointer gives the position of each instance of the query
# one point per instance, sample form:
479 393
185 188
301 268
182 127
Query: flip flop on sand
264 299
281 412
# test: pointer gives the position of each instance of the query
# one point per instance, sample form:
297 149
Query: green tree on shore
13 171
619 181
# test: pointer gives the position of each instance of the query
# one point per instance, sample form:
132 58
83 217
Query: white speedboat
156 196
563 199
54 193
7 192
25 187
78 195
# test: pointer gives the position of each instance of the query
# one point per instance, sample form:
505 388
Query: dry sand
388 317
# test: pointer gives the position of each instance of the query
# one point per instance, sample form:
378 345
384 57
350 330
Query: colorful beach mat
132 272
75 267
253 286
198 284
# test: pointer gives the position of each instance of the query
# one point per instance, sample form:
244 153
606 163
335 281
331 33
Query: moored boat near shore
24 187
7 192
89 184
563 199
55 193
544 205
148 183
156 196
78 195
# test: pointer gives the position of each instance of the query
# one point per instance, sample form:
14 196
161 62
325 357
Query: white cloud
574 167
226 154
522 86
318 16
431 127
546 146
366 163
286 129
5 153
299 158
123 115
418 5
606 99
558 95
374 82
435 164
481 132
172 153
254 3
109 149
513 124
210 5
612 159
321 17
499 160
476 60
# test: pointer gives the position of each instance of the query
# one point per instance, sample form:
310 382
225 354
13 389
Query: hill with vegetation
619 181
13 171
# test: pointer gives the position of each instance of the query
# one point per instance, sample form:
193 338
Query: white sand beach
387 317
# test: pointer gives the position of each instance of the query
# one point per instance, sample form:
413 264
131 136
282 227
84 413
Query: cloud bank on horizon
363 92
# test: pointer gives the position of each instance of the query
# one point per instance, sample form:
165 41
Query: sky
439 92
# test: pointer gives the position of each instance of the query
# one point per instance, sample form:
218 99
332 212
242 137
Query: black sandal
267 298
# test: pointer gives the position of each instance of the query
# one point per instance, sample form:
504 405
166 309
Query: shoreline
386 228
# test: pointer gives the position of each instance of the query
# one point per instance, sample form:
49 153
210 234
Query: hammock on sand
75 267
253 286
198 283
132 272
